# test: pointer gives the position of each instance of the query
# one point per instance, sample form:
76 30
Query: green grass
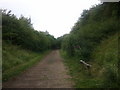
105 62
80 75
15 60
103 72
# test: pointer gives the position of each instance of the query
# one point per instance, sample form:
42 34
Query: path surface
48 73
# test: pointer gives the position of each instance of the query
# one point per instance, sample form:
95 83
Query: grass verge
105 62
80 75
16 60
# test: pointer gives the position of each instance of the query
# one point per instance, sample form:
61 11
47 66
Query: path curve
48 73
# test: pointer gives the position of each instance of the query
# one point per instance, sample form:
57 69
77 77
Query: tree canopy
19 31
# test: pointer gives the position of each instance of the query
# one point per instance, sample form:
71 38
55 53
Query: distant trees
19 31
93 26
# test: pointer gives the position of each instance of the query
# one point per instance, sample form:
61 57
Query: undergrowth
15 60
104 70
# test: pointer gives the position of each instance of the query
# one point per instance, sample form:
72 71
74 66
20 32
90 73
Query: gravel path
48 73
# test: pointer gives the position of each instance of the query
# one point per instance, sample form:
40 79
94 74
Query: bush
88 32
110 78
19 31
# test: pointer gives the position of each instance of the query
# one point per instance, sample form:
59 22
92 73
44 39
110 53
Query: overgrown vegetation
104 70
22 45
93 39
80 75
92 29
19 31
93 26
16 60
105 58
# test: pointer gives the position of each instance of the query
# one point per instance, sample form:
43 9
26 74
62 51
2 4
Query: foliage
21 44
93 26
105 61
21 32
59 42
80 75
16 60
104 70
94 39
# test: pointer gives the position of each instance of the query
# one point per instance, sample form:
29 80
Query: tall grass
105 59
104 70
80 75
15 60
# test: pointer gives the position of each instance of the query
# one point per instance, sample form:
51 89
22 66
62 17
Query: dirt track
48 73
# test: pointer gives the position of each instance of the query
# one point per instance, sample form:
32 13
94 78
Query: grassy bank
80 75
16 60
105 62
103 72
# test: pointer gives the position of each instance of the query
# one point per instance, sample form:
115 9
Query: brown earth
48 73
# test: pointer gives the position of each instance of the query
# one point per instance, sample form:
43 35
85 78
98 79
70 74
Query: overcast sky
55 16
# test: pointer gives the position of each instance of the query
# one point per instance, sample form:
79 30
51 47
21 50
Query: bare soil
48 73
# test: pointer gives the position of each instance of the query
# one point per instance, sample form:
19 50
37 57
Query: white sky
55 16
